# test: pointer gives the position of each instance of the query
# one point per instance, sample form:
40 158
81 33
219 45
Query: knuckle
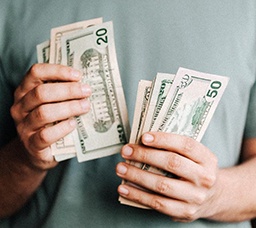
43 136
16 94
173 162
188 144
76 90
208 180
14 112
39 93
142 154
156 203
190 213
41 113
200 198
64 70
35 69
21 131
72 90
163 186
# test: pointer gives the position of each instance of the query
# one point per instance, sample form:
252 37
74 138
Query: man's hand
185 198
48 94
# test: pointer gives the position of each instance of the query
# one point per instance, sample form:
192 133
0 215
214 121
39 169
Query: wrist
39 161
19 177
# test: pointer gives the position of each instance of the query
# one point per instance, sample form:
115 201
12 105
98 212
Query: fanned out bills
43 52
183 104
89 47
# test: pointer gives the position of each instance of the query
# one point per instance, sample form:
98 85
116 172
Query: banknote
141 105
187 109
66 151
149 101
161 86
58 32
194 97
105 129
43 52
64 148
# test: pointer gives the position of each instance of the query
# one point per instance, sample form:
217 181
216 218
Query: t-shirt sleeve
250 127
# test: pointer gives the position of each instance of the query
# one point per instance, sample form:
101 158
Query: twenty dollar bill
105 129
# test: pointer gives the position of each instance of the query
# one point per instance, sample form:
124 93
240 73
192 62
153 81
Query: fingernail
148 138
121 169
86 89
127 151
85 104
75 73
123 191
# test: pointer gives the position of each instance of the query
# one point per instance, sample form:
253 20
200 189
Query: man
216 188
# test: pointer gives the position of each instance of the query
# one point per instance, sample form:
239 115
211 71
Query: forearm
19 179
236 195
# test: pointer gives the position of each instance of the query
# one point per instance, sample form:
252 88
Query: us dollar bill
58 32
161 86
141 106
43 52
150 99
153 100
64 148
105 129
194 97
187 110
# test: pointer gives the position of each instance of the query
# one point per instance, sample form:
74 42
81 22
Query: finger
54 112
53 92
173 208
183 145
163 160
169 187
41 73
47 136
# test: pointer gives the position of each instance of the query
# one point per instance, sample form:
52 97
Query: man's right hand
48 94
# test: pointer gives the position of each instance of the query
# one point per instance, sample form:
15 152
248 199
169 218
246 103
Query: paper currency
143 94
43 52
59 32
187 109
161 86
65 147
141 105
92 51
148 104
105 129
194 99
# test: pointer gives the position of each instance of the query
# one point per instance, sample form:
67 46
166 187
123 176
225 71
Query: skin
38 102
202 191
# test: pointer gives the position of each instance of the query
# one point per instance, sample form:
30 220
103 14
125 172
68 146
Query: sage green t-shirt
151 36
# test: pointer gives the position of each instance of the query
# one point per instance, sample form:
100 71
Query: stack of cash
182 104
89 47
